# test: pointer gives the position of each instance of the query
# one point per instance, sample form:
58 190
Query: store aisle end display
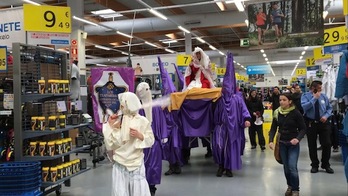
42 93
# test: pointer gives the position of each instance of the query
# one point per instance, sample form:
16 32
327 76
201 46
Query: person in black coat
274 98
256 110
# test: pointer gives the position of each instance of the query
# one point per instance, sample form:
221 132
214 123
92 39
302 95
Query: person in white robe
126 135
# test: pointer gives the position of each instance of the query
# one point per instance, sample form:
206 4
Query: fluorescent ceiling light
183 29
151 44
221 53
246 22
101 65
242 66
124 34
266 59
200 39
306 47
303 53
272 70
125 53
285 62
156 13
107 13
169 50
262 51
102 47
229 2
238 63
325 13
85 21
234 61
301 57
245 69
32 2
169 41
264 55
220 5
239 5
212 47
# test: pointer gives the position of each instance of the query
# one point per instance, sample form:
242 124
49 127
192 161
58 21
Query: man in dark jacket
296 97
274 98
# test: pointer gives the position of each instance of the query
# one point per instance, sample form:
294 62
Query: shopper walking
292 129
317 110
127 138
256 110
297 97
274 98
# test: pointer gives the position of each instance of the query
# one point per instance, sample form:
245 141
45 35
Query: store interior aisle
261 175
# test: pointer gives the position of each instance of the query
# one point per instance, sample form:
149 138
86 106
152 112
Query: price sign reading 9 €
47 18
3 58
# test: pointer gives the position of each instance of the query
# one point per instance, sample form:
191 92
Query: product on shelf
59 147
66 87
52 122
69 145
62 121
53 173
78 165
60 172
45 171
33 146
51 148
41 86
34 125
64 146
42 148
41 122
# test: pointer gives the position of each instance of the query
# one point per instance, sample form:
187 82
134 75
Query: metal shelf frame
30 134
47 158
48 184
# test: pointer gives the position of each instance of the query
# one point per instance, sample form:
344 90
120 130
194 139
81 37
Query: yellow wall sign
47 18
183 60
220 71
301 72
335 36
310 61
318 54
345 7
3 58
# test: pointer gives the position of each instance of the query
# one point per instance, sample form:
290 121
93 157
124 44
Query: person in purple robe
172 148
153 156
231 116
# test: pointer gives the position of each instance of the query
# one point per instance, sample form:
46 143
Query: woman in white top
126 136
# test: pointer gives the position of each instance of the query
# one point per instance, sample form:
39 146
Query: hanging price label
318 54
310 61
47 18
301 72
221 71
345 7
3 58
183 60
335 36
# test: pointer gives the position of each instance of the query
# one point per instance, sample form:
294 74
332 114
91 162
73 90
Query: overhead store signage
335 36
11 27
244 42
312 71
345 7
183 60
310 61
335 49
301 72
47 18
3 58
318 54
35 38
258 69
220 71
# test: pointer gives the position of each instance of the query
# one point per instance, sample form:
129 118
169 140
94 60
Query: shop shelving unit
31 63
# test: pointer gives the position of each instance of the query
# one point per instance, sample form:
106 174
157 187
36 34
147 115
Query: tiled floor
261 176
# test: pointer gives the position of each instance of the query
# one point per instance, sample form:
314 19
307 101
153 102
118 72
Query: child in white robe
126 136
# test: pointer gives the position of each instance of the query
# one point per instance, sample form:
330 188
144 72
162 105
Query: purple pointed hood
180 76
167 83
229 85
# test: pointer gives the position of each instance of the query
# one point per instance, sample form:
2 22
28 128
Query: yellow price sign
301 72
213 66
183 60
47 18
3 58
318 54
345 7
220 71
310 61
294 79
335 36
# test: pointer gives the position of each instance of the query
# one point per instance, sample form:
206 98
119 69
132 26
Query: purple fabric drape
122 76
153 156
229 116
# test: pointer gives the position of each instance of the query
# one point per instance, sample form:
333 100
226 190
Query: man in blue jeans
317 110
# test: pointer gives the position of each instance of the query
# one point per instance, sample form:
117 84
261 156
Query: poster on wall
107 83
256 77
11 27
285 24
